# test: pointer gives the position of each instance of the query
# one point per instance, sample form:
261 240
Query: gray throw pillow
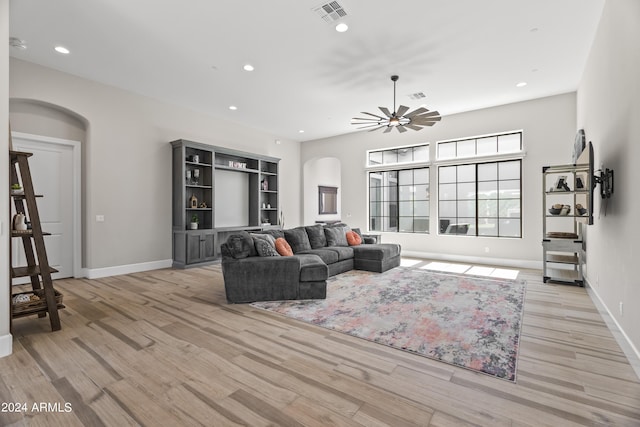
249 243
237 246
266 237
316 235
264 248
336 236
297 239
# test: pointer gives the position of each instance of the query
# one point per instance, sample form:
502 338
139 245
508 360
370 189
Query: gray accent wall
608 108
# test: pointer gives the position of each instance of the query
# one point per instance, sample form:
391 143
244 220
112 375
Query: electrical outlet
486 249
99 218
621 308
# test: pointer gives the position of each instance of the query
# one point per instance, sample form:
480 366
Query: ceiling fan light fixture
399 119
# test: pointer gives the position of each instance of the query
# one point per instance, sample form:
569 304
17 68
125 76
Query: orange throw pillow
353 238
283 248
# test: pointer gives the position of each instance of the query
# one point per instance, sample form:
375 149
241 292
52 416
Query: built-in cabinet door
200 246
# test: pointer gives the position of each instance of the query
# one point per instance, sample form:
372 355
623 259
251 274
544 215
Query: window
413 154
481 199
399 189
481 146
399 200
478 197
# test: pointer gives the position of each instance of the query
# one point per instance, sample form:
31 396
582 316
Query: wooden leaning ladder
37 262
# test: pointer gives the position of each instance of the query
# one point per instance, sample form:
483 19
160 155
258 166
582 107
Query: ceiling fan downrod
394 79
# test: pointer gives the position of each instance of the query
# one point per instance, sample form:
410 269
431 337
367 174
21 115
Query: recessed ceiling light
248 67
62 49
233 107
521 84
342 27
300 131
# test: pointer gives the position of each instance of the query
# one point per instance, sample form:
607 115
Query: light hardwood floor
163 348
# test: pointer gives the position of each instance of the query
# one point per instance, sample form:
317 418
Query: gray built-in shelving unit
232 190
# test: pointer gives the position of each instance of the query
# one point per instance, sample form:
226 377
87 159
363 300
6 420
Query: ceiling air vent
330 12
417 95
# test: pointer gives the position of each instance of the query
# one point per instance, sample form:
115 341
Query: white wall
316 172
549 126
128 160
608 106
5 308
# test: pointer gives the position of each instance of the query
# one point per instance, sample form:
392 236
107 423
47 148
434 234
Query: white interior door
52 171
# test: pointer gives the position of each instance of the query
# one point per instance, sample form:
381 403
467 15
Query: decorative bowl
554 211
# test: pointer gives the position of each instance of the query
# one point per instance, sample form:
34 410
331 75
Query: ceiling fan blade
423 122
374 115
429 114
426 123
388 129
425 119
369 126
429 123
401 128
412 126
416 111
365 120
386 111
401 110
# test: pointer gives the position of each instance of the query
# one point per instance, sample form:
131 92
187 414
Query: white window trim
515 155
398 166
466 138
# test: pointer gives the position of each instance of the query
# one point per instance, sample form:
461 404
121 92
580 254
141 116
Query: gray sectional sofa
254 271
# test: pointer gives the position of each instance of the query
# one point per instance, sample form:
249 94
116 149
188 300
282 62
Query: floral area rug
469 322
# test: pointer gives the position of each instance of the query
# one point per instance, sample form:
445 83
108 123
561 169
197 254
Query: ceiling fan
399 119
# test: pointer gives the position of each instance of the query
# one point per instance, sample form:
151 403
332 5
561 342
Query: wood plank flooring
163 348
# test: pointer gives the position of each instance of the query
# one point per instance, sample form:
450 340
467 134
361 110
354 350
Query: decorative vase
19 222
194 225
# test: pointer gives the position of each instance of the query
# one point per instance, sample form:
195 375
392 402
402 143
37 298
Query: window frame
399 167
479 157
476 160
397 164
394 208
477 200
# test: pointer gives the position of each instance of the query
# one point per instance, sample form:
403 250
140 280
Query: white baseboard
6 345
96 273
506 262
630 350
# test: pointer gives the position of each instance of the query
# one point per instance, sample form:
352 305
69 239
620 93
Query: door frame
76 149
